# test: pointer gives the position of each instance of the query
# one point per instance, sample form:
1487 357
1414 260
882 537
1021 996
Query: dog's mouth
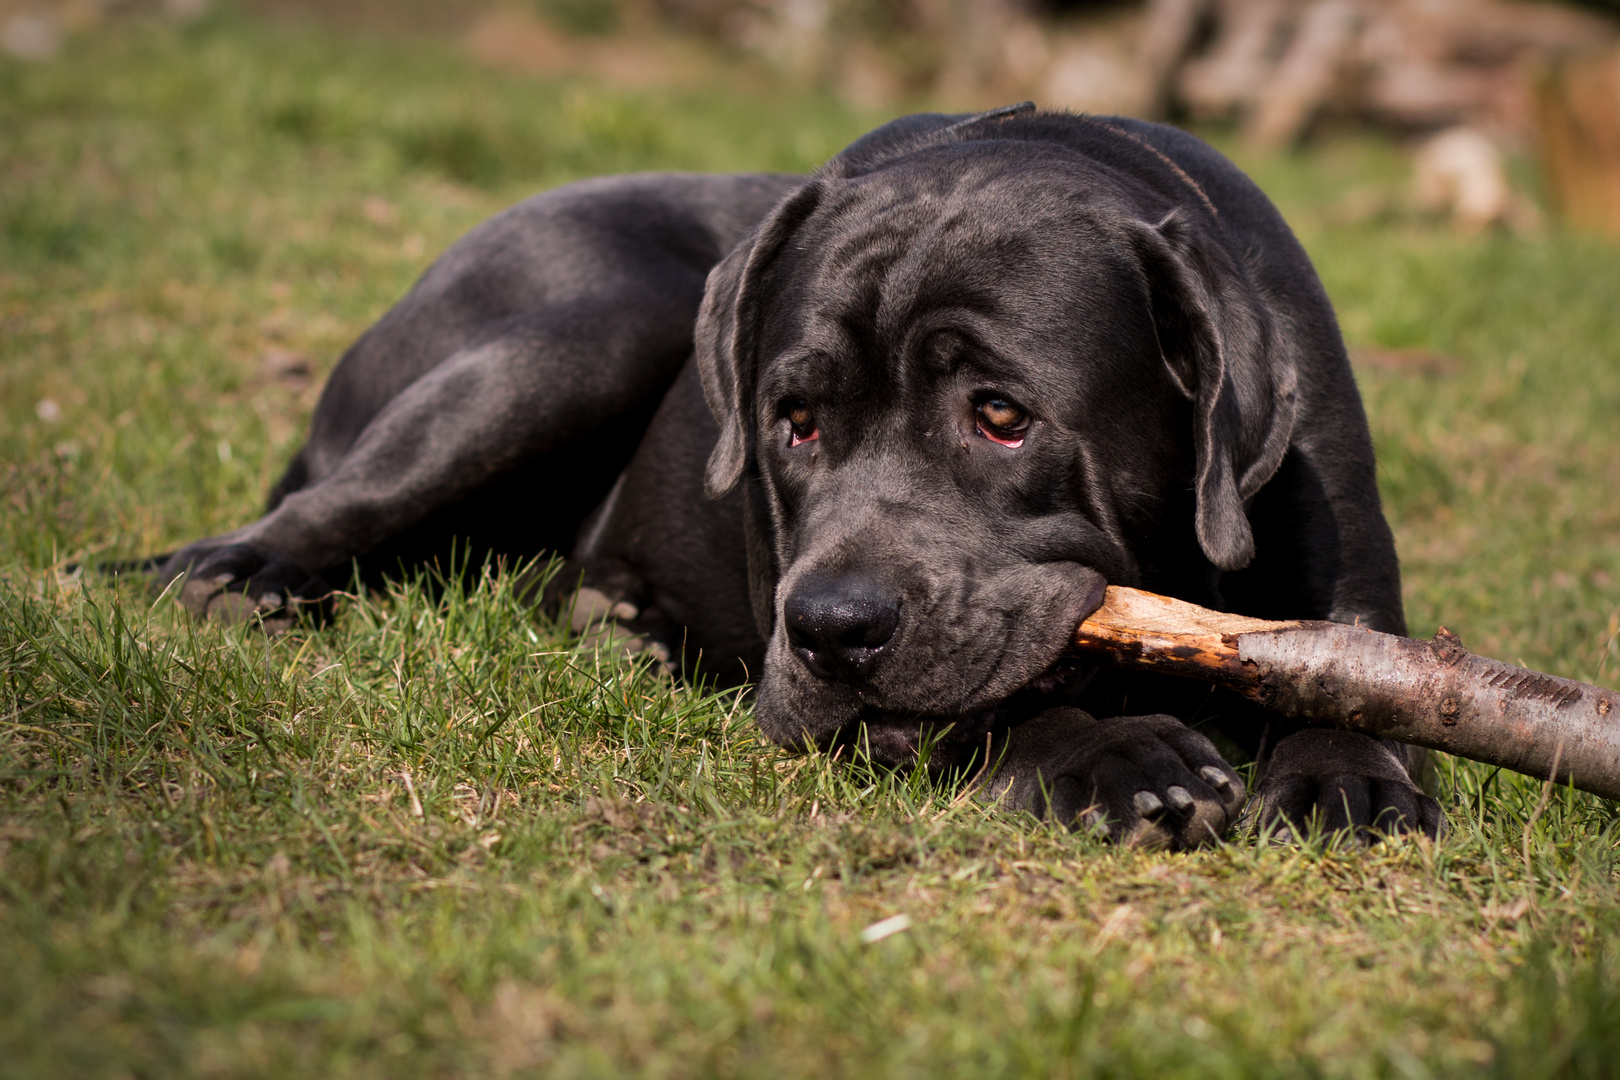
943 743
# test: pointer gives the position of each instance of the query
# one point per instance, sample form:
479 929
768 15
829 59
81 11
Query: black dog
942 391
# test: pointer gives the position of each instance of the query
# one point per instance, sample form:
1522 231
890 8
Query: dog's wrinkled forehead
1112 299
1026 263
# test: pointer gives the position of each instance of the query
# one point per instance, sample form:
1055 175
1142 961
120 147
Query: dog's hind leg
510 403
498 401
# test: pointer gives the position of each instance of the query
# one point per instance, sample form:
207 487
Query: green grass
211 860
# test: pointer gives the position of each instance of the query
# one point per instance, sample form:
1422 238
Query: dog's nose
839 625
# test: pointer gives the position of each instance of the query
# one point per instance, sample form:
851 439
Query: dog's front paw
1147 781
602 621
1342 782
238 583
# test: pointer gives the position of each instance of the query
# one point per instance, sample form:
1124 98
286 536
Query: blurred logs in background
1465 81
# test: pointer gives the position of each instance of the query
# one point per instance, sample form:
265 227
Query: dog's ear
1221 348
727 335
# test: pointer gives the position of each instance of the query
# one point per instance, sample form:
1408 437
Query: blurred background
1507 109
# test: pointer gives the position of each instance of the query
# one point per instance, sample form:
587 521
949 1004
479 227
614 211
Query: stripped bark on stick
1430 693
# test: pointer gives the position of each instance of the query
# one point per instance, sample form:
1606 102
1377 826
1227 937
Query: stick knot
1448 648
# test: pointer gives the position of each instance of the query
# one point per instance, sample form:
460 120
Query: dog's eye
801 422
1000 421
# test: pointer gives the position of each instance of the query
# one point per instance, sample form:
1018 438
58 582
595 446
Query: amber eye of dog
1001 421
801 421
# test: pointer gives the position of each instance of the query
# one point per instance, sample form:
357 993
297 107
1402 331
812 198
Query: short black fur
816 354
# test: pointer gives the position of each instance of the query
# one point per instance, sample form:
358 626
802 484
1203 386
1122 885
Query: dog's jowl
878 437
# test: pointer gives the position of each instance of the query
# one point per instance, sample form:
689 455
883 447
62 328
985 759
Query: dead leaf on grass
1406 361
1119 923
379 211
292 369
1506 912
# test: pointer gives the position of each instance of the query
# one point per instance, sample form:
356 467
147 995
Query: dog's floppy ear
1219 343
727 335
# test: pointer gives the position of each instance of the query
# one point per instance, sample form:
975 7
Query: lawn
439 837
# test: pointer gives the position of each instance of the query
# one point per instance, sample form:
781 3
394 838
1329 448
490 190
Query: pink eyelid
815 433
993 437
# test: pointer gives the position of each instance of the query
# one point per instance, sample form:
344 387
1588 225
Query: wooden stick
1430 693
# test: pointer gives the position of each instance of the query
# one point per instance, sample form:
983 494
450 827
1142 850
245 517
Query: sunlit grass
441 837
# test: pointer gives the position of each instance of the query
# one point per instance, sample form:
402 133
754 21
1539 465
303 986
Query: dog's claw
1179 798
1147 804
1095 820
1216 778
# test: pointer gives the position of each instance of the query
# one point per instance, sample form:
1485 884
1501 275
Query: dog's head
966 379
